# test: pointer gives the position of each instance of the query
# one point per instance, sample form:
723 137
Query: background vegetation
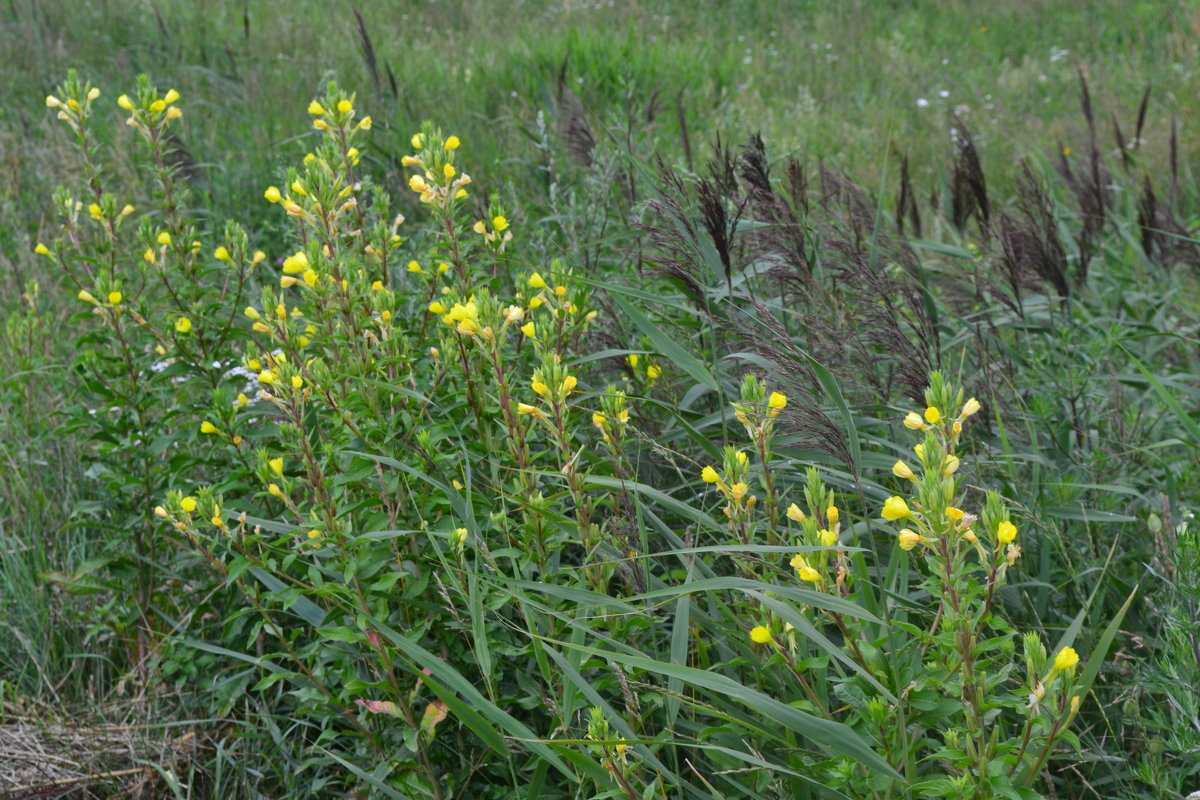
988 192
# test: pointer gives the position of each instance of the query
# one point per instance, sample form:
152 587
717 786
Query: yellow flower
320 124
221 254
448 171
252 313
242 400
272 194
409 161
164 238
316 109
157 106
932 415
908 539
1006 532
832 514
159 511
287 281
115 298
267 377
345 106
452 143
216 520
170 97
275 490
951 467
123 101
738 490
276 465
913 421
955 514
183 325
174 112
536 281
901 470
413 266
777 401
499 223
710 475
295 264
653 372
828 538
528 329
41 249
794 513
971 407
365 125
314 534
297 382
1066 658
418 141
760 635
310 277
188 504
437 308
632 360
807 573
541 389
895 508
568 385
207 427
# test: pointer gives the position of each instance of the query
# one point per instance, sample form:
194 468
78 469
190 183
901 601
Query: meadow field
618 399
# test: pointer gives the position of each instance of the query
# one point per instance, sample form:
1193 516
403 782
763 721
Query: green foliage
462 464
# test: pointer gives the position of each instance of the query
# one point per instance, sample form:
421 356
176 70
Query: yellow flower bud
1066 658
171 96
913 421
345 106
413 266
955 514
272 194
710 475
93 93
932 415
1006 532
207 427
159 511
188 504
157 106
760 635
86 297
365 125
41 249
221 254
951 467
908 539
267 377
528 329
164 238
174 112
895 508
316 109
970 407
54 102
115 298
828 538
183 325
452 143
795 514
449 171
418 141
537 281
901 470
123 101
653 372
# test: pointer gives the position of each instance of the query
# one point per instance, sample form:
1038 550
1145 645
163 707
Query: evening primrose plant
412 490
